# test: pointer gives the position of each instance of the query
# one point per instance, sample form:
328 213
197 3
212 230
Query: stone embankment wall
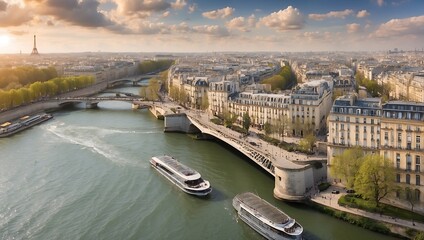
291 184
179 123
295 184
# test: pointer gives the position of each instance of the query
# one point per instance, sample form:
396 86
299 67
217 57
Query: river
86 175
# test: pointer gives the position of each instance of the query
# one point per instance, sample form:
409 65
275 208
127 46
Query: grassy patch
291 147
239 129
355 201
323 186
217 121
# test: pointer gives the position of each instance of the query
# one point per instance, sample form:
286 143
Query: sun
4 40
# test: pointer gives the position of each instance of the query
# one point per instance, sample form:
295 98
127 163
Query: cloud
362 14
192 8
380 2
18 32
353 27
313 36
220 13
14 16
242 24
181 28
212 30
147 27
3 6
399 27
166 14
83 13
144 6
179 4
333 14
287 19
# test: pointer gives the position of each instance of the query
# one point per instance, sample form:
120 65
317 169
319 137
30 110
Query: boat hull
175 181
260 227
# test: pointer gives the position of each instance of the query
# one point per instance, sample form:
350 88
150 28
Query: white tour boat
266 219
184 177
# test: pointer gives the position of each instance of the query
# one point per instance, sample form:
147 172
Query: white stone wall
292 184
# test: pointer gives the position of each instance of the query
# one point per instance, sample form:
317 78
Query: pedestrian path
329 199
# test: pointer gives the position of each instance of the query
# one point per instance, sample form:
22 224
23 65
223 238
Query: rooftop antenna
34 49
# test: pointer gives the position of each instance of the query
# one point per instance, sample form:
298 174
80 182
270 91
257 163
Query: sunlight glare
4 41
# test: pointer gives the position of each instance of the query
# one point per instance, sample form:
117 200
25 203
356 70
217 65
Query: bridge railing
262 159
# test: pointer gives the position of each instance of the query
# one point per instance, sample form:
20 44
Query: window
399 137
417 195
417 163
386 136
417 180
365 129
418 142
397 160
357 120
408 179
408 162
398 178
365 120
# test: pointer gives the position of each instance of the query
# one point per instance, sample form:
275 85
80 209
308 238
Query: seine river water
86 175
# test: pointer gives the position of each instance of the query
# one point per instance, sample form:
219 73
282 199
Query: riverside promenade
328 199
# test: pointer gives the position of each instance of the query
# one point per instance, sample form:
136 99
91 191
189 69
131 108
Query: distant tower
34 49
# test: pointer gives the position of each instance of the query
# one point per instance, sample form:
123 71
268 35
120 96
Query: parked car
350 191
335 192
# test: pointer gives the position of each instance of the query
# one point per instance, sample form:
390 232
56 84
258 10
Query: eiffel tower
34 49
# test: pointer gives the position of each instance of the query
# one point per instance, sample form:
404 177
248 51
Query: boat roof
263 207
178 167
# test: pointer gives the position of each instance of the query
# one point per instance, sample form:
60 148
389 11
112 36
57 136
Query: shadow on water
239 154
216 195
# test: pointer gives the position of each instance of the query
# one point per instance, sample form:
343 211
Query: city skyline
210 26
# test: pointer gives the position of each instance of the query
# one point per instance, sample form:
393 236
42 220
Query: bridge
91 102
134 80
118 93
295 174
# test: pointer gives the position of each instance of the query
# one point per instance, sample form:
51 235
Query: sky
65 26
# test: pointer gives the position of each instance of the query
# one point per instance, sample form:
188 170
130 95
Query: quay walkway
326 198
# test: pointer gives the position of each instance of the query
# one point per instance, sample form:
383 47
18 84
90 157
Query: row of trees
370 175
178 95
39 90
375 89
154 66
15 78
152 91
285 79
282 126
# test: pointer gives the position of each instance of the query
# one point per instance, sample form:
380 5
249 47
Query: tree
183 97
375 178
346 165
246 121
410 197
268 128
229 119
307 143
205 102
419 236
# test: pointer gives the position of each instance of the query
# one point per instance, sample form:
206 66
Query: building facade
393 130
309 107
402 128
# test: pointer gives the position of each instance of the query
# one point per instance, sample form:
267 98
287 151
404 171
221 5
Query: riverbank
327 202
